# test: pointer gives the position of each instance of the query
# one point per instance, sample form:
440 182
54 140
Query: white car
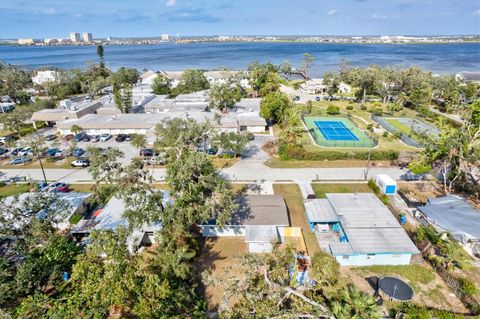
105 137
80 163
27 151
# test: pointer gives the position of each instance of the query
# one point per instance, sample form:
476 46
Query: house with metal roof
359 230
454 215
259 218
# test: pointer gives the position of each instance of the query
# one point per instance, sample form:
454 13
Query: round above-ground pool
395 288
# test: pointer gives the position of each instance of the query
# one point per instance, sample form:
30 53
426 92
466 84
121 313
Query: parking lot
59 151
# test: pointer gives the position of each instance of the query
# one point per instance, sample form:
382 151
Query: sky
134 18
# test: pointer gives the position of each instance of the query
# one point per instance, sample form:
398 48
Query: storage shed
387 185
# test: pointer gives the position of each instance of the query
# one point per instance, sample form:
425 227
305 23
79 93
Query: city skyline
226 17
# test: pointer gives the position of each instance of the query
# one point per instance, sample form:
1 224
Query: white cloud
332 12
170 3
477 12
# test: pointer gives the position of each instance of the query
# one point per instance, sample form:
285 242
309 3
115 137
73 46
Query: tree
307 63
232 141
174 132
293 129
138 140
332 81
100 53
13 82
193 81
122 96
161 85
259 74
367 80
37 144
125 76
224 96
75 129
274 105
352 303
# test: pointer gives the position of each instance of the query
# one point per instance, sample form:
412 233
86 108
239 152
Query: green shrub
333 110
363 107
349 107
373 186
75 219
370 127
378 112
297 152
385 134
466 286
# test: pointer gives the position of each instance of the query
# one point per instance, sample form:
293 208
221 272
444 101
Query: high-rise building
87 37
75 37
165 37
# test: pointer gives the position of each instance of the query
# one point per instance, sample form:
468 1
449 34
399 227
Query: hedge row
296 152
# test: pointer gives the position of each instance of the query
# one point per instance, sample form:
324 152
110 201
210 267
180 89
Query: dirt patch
421 191
431 293
216 267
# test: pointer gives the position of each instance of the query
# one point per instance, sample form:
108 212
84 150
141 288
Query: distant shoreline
233 41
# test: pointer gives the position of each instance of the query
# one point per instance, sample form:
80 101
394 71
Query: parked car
3 151
94 138
80 163
5 139
121 138
128 137
20 160
60 187
146 152
80 137
318 98
105 137
155 161
54 152
86 138
50 137
311 196
296 98
27 151
15 151
212 150
78 152
68 137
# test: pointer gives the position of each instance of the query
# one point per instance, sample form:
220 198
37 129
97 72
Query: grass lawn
13 189
296 210
62 163
399 126
224 162
415 274
321 189
275 162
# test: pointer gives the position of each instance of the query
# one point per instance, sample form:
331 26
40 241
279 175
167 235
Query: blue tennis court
335 131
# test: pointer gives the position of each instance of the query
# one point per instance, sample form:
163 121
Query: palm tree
100 55
352 303
75 129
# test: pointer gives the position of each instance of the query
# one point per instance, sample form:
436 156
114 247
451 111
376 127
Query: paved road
241 173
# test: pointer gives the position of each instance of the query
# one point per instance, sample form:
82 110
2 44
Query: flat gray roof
320 211
260 233
263 210
369 226
455 215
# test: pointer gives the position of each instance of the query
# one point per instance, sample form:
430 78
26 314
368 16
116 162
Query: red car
69 137
58 187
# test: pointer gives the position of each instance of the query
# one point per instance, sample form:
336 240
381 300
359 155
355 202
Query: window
243 128
345 257
370 256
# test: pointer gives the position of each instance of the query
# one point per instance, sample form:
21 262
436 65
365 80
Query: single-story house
455 215
45 76
66 110
148 77
359 230
260 219
175 77
66 204
111 216
314 86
